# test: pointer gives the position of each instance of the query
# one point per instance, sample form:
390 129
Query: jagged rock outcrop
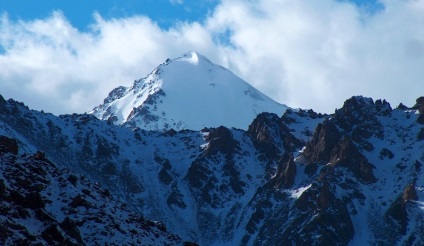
419 106
410 193
271 135
398 210
286 172
318 149
346 154
335 141
358 118
219 140
324 219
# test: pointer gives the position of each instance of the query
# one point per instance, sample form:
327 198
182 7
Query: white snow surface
189 92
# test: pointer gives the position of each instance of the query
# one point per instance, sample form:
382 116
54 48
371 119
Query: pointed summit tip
190 54
192 57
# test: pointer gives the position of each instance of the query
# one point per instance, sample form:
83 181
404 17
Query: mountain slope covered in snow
350 178
189 92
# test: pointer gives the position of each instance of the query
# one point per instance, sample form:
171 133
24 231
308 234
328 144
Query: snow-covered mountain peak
191 57
188 92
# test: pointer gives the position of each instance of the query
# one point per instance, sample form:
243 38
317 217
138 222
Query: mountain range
172 148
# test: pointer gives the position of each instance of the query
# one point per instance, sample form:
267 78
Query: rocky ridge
349 178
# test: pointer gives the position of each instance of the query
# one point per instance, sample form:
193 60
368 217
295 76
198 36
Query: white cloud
309 54
50 61
317 54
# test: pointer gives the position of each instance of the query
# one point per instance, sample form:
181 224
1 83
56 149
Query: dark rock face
52 235
401 106
198 175
34 200
383 107
271 135
260 128
361 108
399 214
274 141
420 119
79 201
337 145
386 153
347 154
358 118
220 140
144 112
218 155
335 141
164 175
116 93
331 220
410 194
70 228
319 148
176 199
152 99
420 135
419 105
417 166
286 172
8 145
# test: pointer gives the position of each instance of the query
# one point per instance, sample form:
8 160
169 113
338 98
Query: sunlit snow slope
189 92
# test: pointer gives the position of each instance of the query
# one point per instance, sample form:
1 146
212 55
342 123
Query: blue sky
303 53
80 13
164 12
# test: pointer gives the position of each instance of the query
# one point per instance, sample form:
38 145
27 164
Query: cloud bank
308 54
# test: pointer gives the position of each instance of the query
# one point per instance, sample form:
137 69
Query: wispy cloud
301 53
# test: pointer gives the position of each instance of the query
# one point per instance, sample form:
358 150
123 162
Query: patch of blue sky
224 38
369 6
80 13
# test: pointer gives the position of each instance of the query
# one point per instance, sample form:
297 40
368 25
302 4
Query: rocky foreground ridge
42 203
350 178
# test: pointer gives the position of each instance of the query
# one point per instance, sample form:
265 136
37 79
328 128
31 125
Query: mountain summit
188 92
